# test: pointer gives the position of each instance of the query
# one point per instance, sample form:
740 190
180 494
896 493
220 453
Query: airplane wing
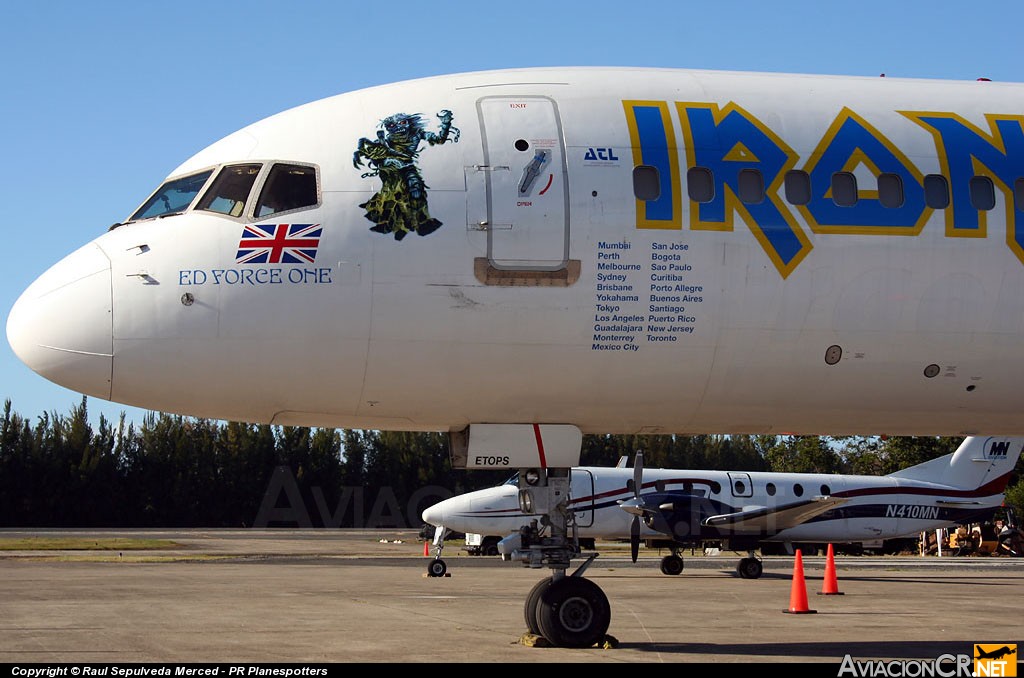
774 519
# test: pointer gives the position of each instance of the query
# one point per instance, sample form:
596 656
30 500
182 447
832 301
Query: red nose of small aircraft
61 326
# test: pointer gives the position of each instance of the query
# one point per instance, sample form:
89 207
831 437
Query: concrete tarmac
247 596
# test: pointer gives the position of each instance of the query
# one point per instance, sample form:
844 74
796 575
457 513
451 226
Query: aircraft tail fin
978 462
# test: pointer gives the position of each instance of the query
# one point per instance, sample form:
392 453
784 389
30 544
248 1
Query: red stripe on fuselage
540 446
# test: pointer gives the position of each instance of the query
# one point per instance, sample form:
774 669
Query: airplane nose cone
61 326
434 515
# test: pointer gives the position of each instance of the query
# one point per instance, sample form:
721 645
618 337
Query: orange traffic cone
798 591
426 549
830 587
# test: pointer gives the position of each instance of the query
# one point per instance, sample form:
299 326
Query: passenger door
526 184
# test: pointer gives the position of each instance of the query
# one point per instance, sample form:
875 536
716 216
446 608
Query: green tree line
173 471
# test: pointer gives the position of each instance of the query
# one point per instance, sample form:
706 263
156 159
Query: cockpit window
230 190
172 197
288 187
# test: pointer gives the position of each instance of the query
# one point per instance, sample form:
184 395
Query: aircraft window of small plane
798 187
770 489
936 191
844 189
983 193
715 487
230 190
646 182
798 490
289 187
173 197
890 190
700 184
826 491
1018 194
751 186
740 487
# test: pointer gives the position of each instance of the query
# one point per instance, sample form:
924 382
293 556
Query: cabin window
826 491
700 184
798 187
770 489
289 187
983 193
844 189
740 487
173 197
716 487
646 182
230 190
751 186
890 190
1018 194
798 490
936 191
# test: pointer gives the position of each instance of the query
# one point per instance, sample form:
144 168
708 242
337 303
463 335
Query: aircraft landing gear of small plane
749 567
569 611
437 568
672 565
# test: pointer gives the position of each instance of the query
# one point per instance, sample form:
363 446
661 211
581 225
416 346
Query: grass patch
84 544
115 558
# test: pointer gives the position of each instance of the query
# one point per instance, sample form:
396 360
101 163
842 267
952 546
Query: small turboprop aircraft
746 509
520 257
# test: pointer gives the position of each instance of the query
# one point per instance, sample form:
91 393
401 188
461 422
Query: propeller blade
636 505
638 473
634 538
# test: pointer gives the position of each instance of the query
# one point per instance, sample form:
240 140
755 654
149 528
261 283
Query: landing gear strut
566 609
437 567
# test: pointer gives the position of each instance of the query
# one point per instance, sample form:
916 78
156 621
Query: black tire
530 607
749 568
491 550
573 612
672 565
436 568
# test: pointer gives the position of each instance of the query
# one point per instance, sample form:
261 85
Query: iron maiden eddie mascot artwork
400 206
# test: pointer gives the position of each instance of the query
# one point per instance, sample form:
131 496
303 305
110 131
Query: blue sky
102 99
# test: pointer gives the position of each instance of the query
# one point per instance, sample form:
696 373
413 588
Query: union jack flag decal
278 244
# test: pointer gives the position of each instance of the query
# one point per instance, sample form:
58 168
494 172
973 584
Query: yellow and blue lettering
851 143
654 144
966 151
726 141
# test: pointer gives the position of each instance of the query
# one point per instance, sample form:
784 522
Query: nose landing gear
569 611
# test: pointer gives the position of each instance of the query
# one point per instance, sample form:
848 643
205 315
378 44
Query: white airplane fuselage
563 285
867 508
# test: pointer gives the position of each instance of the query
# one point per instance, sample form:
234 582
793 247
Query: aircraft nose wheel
436 568
570 612
749 568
